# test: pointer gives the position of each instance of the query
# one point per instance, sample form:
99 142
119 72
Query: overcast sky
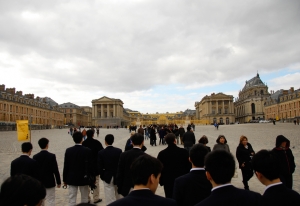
154 55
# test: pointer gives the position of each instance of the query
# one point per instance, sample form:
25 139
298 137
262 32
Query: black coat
24 165
143 197
47 169
181 131
280 195
95 146
230 195
75 166
243 155
189 139
124 180
108 160
176 163
191 188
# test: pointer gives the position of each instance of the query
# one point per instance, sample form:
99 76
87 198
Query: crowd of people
193 175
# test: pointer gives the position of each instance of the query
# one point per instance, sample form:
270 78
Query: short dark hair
109 139
197 154
219 137
203 140
188 128
26 147
266 163
170 138
77 137
90 133
43 142
221 165
143 167
20 190
137 139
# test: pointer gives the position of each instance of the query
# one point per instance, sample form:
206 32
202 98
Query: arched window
253 108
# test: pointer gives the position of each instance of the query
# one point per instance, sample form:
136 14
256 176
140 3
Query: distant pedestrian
98 129
84 133
188 139
203 140
181 133
274 122
295 121
221 144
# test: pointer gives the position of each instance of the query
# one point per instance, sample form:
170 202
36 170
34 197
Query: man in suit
188 139
220 167
77 165
145 172
176 163
24 164
124 179
193 187
47 169
95 146
266 167
108 160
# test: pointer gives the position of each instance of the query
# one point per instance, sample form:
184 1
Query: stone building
215 108
75 115
16 106
283 105
88 111
250 103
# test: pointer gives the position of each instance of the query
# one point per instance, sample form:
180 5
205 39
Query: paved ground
261 136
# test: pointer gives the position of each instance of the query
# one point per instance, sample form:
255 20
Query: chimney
292 89
38 98
2 88
29 96
11 90
19 93
285 92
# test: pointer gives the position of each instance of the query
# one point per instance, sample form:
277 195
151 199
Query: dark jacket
24 165
124 181
143 197
108 160
95 146
285 156
280 195
181 131
191 188
75 165
189 139
230 195
152 134
243 155
47 169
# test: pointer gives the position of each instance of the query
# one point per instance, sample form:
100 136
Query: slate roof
255 81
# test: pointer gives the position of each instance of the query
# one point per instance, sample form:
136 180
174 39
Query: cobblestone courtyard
261 136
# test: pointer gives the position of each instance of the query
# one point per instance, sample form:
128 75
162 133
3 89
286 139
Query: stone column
210 112
229 108
217 106
223 107
107 111
114 110
102 111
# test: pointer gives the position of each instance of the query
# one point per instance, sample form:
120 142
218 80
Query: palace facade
76 115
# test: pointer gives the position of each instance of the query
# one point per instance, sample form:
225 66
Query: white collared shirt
137 147
78 144
220 186
198 168
271 185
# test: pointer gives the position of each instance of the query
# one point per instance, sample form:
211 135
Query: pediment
220 96
106 99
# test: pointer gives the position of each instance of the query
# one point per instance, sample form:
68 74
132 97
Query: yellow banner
22 129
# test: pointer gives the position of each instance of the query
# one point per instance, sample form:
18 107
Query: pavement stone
261 136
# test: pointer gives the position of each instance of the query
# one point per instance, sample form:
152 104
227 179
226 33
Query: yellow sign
22 129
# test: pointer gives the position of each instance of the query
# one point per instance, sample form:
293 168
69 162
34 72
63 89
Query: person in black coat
244 154
77 165
124 179
108 160
181 133
176 163
145 172
188 139
24 164
267 171
47 170
220 167
95 146
203 140
152 136
193 187
286 160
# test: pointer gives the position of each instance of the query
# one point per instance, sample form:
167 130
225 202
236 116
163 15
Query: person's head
197 155
77 137
170 138
109 139
188 128
243 140
221 139
43 142
282 141
21 190
266 163
26 147
137 139
146 170
203 140
90 133
220 166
